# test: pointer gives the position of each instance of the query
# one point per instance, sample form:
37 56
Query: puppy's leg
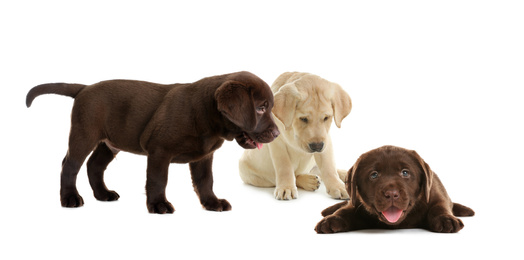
285 180
157 169
460 210
440 219
334 185
345 218
251 175
255 180
69 196
202 176
81 143
330 210
96 165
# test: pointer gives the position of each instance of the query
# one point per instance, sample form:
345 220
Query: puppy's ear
428 174
351 183
235 101
341 103
286 100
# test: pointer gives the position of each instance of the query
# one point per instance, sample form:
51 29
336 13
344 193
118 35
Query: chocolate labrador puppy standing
179 123
391 187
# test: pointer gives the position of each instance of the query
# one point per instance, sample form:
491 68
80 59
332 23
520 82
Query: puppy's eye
373 175
304 119
404 173
326 118
261 110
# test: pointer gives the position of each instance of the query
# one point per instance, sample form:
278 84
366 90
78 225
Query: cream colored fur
305 106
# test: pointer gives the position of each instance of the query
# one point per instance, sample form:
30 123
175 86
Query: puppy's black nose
392 194
316 147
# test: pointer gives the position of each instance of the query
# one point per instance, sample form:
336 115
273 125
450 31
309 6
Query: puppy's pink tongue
392 214
259 145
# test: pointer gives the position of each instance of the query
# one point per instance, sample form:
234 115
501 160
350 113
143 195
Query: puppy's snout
392 194
316 147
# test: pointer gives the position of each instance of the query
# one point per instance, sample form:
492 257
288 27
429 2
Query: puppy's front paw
331 224
217 205
161 207
337 191
308 182
445 224
108 195
72 200
286 193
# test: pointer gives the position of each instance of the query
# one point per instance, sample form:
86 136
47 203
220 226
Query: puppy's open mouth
246 142
392 214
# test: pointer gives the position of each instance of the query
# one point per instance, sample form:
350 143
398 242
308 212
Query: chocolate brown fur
179 123
398 179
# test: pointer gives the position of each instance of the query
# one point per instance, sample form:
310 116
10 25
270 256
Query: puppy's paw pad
331 224
72 200
217 205
286 193
160 207
308 182
446 224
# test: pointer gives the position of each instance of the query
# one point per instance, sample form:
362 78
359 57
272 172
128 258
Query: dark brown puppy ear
235 101
351 183
428 174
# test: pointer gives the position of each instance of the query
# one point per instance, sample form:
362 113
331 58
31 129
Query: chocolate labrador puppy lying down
390 188
179 123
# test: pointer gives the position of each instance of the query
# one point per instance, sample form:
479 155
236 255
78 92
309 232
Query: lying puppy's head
388 181
307 104
246 101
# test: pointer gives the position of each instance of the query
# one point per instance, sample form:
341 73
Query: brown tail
462 211
53 88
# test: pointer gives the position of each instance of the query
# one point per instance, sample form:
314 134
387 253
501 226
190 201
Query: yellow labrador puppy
305 105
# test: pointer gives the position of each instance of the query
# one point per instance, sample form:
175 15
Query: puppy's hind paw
308 182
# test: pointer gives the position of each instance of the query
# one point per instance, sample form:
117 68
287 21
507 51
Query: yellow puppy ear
286 100
341 103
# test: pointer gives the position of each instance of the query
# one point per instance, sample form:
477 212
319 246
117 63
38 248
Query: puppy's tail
462 211
53 88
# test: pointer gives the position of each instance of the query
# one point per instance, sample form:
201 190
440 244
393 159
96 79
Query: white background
440 77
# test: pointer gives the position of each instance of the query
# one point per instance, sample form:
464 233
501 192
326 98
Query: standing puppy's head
388 181
246 101
307 104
